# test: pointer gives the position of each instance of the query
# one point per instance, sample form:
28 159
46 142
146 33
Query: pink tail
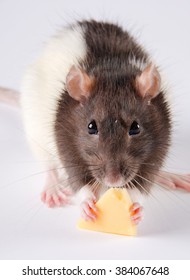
9 96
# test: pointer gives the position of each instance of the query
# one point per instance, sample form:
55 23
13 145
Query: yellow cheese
113 214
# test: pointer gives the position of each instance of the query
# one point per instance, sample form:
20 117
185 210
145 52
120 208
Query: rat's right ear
79 84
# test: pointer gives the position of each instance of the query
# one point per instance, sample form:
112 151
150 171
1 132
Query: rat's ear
78 83
148 83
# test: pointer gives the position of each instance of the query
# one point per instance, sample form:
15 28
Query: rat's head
117 127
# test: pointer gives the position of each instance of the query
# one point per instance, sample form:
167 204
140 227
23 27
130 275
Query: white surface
28 230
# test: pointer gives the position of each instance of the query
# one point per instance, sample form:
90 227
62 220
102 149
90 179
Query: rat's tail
9 96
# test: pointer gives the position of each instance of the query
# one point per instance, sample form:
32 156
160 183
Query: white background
29 230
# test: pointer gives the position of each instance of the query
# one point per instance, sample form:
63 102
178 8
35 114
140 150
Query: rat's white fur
42 87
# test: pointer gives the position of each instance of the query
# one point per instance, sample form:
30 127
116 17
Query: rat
96 113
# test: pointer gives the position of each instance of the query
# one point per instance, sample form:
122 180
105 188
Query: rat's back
43 85
109 43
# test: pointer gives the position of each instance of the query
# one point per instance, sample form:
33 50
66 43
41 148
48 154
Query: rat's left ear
79 84
149 82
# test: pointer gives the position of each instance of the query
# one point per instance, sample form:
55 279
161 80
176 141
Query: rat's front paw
136 211
56 197
89 209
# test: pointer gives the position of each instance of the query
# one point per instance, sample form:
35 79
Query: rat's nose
113 179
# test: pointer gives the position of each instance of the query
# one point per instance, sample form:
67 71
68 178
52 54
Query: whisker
161 187
96 186
21 179
27 212
161 209
148 193
165 188
29 176
139 186
33 216
42 172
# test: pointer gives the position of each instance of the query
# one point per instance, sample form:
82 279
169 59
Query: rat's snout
113 177
113 181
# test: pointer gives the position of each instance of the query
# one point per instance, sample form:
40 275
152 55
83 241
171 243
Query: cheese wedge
113 214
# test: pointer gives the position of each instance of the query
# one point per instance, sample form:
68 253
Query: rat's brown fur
114 104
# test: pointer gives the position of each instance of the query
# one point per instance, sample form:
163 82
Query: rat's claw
182 182
54 194
89 209
174 181
55 197
136 211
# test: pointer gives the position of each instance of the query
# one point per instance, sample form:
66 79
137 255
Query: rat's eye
92 128
134 129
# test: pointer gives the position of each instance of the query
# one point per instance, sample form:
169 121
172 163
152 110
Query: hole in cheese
113 214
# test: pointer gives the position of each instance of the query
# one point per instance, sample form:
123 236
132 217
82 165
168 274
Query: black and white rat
95 111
